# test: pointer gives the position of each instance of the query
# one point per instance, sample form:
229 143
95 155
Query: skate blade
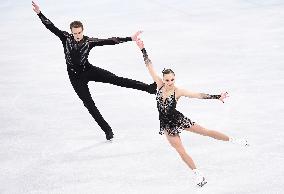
109 141
202 183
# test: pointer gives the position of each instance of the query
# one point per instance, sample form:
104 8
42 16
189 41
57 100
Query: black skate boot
109 136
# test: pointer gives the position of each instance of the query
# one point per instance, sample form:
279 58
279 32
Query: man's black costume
80 71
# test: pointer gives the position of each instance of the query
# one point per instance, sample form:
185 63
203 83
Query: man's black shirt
76 53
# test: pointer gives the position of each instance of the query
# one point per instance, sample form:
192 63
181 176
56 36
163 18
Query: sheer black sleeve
145 56
208 96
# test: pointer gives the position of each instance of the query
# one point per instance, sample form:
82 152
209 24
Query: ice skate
109 136
199 179
239 141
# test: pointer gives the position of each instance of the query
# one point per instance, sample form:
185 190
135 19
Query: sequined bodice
166 106
171 120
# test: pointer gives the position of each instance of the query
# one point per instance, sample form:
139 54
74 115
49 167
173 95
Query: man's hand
140 43
135 36
35 7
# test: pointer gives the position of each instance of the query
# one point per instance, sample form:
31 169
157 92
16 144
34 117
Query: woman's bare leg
176 143
210 133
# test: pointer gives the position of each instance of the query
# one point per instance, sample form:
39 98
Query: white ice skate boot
199 179
239 141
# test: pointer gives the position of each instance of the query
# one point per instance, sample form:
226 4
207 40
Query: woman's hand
140 43
135 36
223 96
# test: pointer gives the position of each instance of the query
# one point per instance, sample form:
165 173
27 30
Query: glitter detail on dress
171 120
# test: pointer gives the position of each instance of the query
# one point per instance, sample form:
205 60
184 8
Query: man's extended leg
82 90
101 75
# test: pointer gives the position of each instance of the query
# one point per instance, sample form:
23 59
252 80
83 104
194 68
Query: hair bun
167 71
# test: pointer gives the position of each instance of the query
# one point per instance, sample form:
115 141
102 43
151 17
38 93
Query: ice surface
50 144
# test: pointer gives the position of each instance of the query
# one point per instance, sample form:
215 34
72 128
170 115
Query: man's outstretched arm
113 40
48 24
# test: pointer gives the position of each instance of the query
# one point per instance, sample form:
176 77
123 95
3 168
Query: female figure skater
172 122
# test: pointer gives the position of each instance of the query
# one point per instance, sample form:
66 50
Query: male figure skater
76 49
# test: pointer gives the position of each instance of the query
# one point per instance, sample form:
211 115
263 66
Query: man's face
77 33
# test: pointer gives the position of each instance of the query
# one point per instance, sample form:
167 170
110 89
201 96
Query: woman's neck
169 88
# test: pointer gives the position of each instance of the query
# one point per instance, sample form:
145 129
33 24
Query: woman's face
169 80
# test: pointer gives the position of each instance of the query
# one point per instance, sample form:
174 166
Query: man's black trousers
97 74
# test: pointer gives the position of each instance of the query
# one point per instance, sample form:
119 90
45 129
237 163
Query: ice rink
50 144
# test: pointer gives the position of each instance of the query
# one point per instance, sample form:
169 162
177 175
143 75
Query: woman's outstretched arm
186 93
149 65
